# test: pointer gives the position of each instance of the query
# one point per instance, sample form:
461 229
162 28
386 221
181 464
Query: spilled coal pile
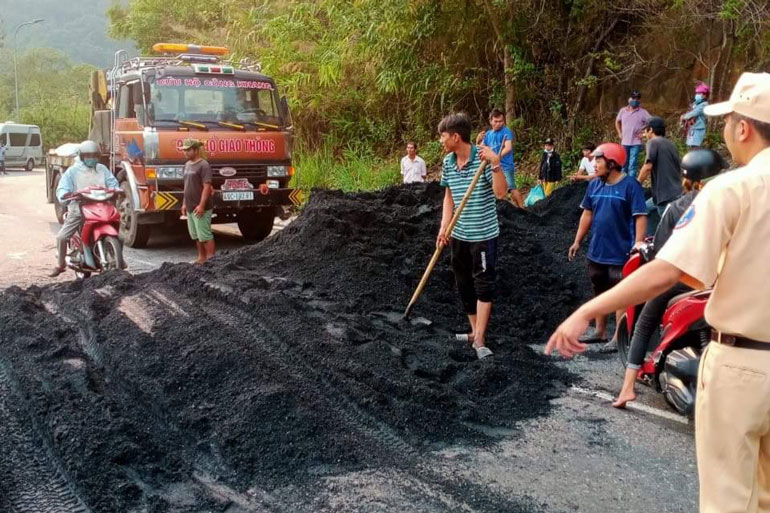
241 385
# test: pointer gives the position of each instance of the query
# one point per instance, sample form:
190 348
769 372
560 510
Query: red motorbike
96 247
672 366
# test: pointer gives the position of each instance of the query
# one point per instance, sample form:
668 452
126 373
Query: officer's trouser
732 430
69 228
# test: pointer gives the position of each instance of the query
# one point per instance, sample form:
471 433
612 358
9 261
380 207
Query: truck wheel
30 165
58 207
256 225
133 234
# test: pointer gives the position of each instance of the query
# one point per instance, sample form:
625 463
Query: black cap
548 141
636 94
656 123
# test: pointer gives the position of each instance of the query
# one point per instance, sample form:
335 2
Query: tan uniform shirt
724 239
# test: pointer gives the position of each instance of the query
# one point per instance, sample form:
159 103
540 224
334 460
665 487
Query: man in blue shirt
615 211
500 140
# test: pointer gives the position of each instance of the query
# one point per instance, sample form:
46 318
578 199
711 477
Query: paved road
28 225
585 456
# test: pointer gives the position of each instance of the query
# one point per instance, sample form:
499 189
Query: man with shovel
474 238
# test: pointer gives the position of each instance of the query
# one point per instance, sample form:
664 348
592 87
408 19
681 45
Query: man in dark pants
663 166
474 237
697 166
614 210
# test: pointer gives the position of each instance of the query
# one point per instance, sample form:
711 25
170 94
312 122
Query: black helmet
699 165
636 94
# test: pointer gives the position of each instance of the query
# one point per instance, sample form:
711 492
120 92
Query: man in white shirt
586 169
412 166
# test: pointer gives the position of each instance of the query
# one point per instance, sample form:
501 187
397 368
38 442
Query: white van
23 145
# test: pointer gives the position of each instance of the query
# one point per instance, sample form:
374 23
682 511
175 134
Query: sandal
464 337
482 352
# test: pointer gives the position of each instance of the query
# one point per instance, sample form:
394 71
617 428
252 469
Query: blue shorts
510 178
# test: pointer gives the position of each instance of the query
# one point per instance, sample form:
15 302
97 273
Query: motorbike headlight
170 173
277 171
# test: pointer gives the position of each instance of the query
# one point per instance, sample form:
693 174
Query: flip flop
464 337
483 352
591 338
609 347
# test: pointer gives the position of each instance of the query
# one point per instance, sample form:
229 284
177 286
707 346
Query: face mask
90 162
699 98
634 103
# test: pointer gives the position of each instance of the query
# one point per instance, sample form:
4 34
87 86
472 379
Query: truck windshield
204 99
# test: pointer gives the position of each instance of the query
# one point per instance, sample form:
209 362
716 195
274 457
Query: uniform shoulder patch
686 218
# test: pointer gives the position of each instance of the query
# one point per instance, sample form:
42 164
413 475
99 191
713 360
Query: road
584 456
28 225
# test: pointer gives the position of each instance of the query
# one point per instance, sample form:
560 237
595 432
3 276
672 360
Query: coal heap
191 388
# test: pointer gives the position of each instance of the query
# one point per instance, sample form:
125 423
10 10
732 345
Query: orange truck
144 107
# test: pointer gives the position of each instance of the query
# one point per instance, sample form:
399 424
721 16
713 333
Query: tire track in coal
472 495
31 479
347 409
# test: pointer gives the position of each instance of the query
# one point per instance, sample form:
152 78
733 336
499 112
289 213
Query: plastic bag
536 194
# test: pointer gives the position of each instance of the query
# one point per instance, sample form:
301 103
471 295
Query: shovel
440 248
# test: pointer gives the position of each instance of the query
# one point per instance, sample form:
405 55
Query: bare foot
623 399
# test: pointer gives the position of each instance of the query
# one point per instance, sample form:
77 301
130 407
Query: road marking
633 405
143 262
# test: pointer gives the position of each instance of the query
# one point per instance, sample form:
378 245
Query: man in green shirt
474 238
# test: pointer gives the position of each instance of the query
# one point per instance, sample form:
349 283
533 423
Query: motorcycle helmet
613 152
698 165
702 88
636 94
89 153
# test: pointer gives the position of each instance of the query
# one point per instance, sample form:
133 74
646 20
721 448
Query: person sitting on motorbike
697 166
84 173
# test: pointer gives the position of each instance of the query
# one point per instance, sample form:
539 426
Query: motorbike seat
692 293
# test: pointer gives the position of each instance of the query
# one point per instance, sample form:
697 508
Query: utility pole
15 69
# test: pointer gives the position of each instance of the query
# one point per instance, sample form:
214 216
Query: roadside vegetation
53 93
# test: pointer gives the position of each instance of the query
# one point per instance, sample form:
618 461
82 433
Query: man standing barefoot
197 204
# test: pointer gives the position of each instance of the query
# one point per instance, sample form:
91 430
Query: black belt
734 341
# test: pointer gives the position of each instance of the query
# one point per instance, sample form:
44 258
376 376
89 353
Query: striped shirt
478 221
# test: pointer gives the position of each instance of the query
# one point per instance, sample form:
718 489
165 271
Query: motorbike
671 368
96 246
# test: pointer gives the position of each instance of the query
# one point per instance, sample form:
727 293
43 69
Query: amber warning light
185 48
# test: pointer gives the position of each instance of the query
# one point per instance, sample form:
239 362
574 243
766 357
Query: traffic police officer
723 240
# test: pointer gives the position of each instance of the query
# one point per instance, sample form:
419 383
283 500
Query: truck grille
242 171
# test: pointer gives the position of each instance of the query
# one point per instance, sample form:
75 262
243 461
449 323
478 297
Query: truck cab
143 108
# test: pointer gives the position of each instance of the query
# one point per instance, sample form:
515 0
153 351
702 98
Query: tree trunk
510 84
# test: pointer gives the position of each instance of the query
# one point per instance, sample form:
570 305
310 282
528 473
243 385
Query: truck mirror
285 111
147 93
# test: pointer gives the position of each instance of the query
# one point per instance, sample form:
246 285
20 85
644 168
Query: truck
143 108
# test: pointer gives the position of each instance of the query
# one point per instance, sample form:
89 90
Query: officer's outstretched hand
565 338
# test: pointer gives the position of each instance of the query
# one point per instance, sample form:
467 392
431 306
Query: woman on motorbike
697 167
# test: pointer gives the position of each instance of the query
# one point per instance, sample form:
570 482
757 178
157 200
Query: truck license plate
238 196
